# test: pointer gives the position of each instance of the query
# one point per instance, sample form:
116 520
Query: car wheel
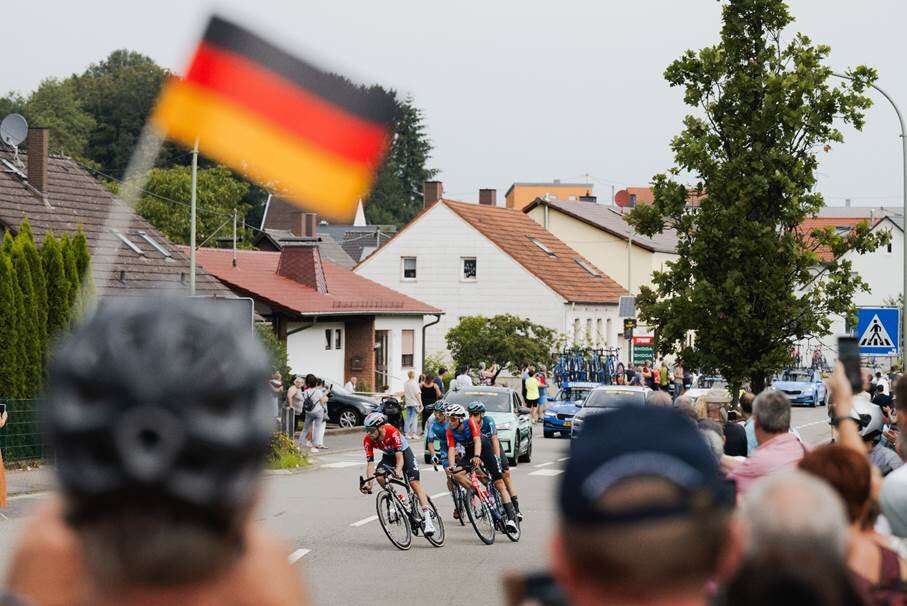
527 458
349 418
515 460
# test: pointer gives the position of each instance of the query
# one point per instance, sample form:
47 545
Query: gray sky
512 90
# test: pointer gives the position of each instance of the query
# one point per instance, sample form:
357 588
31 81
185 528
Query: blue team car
559 412
802 386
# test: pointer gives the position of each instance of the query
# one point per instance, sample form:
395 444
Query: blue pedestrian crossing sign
878 331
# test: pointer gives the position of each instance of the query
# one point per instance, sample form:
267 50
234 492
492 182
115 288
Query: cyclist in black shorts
479 450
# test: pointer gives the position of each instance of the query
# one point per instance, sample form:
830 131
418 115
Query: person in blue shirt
490 431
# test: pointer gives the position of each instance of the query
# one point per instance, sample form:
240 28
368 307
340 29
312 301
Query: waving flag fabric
314 137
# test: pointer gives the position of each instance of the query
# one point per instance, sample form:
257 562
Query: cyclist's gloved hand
476 461
435 460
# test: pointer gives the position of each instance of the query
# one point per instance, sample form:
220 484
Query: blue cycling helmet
441 406
375 419
475 407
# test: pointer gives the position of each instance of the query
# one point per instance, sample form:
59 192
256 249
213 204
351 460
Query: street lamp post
904 186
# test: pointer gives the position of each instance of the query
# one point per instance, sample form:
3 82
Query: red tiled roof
808 225
347 293
511 230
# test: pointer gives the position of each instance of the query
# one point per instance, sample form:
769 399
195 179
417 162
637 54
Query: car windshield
797 376
494 401
614 398
573 394
709 382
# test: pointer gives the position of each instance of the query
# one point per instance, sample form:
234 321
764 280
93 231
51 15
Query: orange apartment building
520 195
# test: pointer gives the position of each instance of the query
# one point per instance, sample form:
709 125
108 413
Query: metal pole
234 237
904 193
629 245
192 220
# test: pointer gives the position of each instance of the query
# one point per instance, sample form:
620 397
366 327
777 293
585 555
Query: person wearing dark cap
645 513
159 417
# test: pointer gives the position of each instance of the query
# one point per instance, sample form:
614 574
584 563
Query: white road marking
547 472
823 422
364 521
297 555
341 465
440 494
544 464
562 459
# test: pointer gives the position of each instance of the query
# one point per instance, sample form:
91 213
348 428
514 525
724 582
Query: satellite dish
13 130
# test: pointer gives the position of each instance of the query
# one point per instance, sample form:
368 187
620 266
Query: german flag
312 136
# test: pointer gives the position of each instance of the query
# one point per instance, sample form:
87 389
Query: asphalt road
339 548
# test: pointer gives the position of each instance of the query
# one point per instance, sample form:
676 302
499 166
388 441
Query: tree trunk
757 383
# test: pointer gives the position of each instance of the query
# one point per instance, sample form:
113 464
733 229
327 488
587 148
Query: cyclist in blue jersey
437 430
476 411
478 451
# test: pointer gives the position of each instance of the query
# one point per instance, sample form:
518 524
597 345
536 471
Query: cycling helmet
441 406
159 401
375 419
869 417
455 410
475 407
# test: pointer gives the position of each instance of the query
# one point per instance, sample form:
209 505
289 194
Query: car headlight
550 413
505 426
809 389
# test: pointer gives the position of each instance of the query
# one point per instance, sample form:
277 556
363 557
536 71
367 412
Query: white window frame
403 261
403 348
463 276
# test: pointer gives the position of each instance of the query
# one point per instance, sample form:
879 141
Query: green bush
284 453
277 351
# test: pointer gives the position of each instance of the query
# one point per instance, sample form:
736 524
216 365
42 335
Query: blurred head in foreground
157 411
644 511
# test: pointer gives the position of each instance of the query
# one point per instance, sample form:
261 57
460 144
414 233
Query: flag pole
192 220
234 237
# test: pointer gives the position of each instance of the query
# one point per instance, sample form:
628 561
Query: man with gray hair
778 448
659 398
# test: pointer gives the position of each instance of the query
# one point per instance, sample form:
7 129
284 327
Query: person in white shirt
884 382
412 402
463 380
351 384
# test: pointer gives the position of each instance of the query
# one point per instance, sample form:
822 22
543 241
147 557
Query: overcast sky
513 90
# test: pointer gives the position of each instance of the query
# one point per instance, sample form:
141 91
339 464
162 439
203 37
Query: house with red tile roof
336 324
483 259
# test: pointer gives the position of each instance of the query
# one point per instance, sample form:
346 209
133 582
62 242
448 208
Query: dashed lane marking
544 464
562 459
547 472
364 521
297 555
440 494
341 465
823 422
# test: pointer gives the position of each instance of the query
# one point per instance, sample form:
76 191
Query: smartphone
849 355
2 407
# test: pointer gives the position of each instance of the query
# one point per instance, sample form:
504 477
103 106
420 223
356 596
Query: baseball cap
635 442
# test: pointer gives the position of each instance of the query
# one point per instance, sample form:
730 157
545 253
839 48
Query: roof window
128 242
586 266
541 245
155 244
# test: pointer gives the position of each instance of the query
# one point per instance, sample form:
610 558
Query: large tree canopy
749 281
505 340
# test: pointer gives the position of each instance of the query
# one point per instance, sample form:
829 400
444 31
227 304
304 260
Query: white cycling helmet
869 417
375 419
456 410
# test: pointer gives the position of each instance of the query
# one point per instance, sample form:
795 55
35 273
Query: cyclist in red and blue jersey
437 430
488 429
468 434
381 435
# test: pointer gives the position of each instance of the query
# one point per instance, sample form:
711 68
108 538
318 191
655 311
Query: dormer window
541 245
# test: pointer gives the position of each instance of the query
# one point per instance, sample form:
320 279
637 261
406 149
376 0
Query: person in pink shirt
778 448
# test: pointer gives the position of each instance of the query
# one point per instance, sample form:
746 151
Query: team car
608 398
559 412
802 386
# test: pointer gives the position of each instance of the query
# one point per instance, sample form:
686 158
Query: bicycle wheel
458 500
437 539
513 535
480 518
394 520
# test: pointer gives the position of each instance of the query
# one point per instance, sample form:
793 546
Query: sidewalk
21 482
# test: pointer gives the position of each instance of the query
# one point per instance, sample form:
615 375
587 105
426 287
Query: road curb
339 431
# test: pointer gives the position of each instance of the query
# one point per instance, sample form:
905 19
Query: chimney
588 198
300 260
304 225
432 191
488 197
36 145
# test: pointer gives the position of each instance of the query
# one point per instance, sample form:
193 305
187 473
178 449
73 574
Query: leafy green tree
748 281
7 245
277 350
218 194
54 105
83 269
10 353
397 194
72 272
505 340
12 103
31 333
26 241
58 287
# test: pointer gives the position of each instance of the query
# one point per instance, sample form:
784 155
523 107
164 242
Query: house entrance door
381 376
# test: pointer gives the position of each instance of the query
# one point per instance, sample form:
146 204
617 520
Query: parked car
802 386
345 408
510 415
607 398
560 410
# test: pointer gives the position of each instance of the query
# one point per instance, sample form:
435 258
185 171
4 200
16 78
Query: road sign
629 323
643 349
878 331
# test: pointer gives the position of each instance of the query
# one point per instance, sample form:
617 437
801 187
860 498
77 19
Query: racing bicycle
399 511
483 506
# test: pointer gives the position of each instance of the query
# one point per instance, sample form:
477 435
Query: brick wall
360 344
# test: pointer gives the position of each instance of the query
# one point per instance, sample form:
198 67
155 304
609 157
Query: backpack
308 404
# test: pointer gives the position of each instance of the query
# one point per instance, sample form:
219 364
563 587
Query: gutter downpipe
424 328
